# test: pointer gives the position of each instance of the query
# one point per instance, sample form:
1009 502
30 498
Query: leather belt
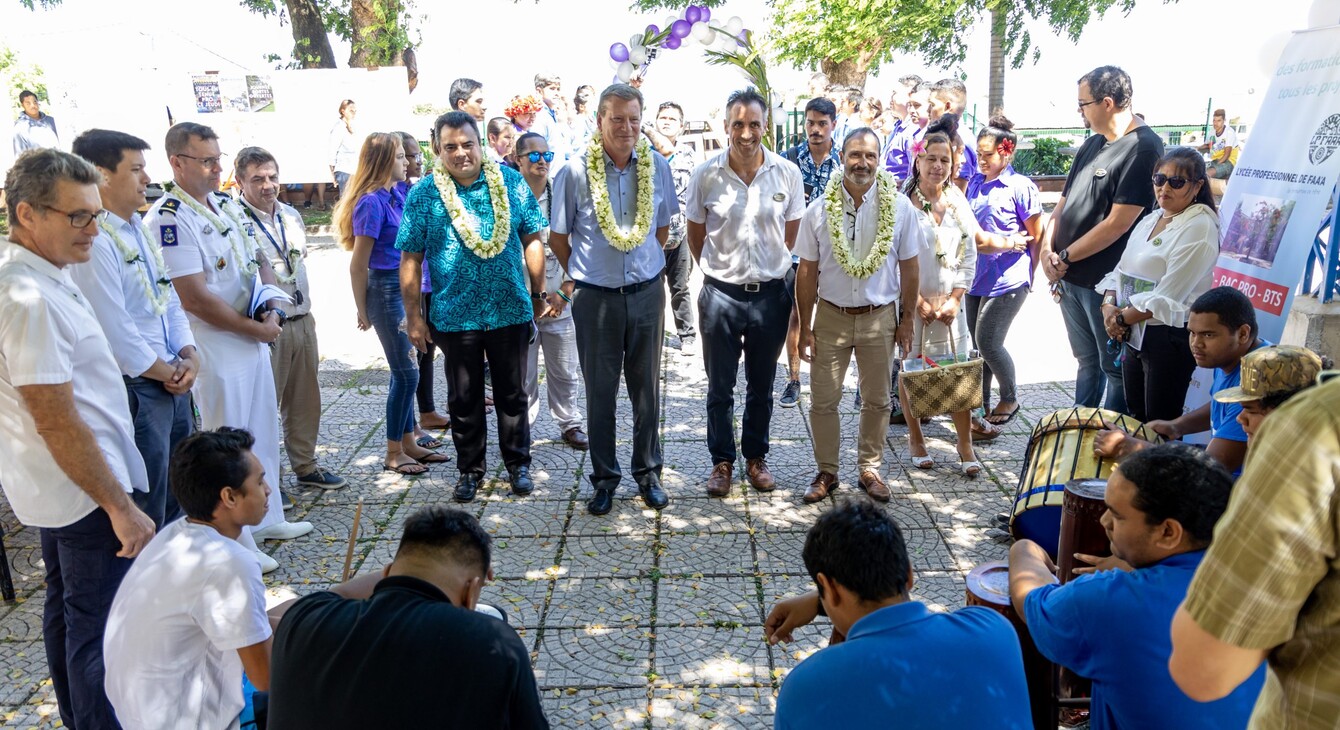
750 288
865 309
628 289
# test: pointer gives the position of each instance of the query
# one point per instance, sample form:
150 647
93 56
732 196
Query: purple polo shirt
1001 206
377 216
898 160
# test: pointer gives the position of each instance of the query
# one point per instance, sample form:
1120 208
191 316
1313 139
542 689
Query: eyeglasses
534 157
79 219
413 157
206 161
1083 104
1177 183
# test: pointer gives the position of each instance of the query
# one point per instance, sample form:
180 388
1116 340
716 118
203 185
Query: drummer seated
1223 330
1112 626
1271 376
900 659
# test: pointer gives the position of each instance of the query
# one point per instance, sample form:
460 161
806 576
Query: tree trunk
848 72
996 85
311 45
376 38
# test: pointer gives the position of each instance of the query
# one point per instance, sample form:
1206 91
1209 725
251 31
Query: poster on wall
216 93
1282 186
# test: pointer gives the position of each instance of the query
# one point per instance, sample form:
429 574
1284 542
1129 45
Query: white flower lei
247 264
293 257
600 195
954 211
887 200
467 226
160 291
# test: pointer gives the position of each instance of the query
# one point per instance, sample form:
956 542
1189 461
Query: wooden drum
1081 525
1060 450
989 586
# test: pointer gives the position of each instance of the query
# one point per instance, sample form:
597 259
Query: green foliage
749 59
15 76
1044 158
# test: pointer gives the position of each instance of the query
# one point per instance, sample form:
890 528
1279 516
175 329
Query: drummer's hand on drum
1167 429
1109 442
1097 564
790 614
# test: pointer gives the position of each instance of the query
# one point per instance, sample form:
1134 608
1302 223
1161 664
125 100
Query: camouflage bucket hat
1270 370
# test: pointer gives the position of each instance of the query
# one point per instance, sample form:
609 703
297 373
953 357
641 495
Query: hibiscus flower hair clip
1005 147
521 105
919 148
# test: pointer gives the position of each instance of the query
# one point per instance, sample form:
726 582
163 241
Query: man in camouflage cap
1271 376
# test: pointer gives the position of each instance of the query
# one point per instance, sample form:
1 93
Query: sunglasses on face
1177 183
535 157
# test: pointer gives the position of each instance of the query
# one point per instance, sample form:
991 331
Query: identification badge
221 264
208 231
297 297
1100 172
168 234
251 231
779 197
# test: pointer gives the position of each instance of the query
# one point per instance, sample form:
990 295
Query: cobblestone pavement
635 619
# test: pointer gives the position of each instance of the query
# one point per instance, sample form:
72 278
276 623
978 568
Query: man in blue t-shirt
900 663
1223 330
1113 626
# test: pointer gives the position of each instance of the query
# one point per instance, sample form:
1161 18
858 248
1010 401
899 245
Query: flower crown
521 105
919 148
1006 147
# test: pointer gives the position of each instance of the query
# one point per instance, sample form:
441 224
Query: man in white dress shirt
133 299
743 208
214 266
282 236
857 314
67 444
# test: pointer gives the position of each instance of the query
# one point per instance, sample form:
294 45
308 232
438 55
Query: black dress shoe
602 502
652 494
466 487
522 484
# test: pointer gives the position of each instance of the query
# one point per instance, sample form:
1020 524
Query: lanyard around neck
282 250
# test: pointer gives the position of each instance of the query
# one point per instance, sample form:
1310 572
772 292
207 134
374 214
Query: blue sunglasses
534 157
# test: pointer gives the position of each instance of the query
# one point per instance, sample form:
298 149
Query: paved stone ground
636 619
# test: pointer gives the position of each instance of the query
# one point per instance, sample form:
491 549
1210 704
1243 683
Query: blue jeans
82 574
1082 309
162 420
386 311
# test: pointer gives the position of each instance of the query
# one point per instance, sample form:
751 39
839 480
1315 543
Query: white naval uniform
235 386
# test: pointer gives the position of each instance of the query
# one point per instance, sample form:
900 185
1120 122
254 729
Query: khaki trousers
294 362
836 337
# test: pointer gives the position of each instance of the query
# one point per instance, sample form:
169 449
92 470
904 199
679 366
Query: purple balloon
681 29
692 14
704 14
653 29
671 43
619 52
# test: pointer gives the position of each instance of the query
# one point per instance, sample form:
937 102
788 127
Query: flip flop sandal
412 469
428 442
1007 417
985 435
433 458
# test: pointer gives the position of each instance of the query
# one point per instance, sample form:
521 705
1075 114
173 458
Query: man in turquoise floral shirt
481 306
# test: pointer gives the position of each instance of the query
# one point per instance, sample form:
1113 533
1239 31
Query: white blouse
1164 274
947 262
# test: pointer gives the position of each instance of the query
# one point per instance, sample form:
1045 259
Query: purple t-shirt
1001 206
377 216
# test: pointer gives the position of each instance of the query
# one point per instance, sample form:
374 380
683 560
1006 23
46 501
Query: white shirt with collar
49 336
746 224
139 337
814 242
276 236
192 244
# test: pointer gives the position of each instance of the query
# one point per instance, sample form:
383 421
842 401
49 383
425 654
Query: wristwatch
1064 256
1121 319
539 296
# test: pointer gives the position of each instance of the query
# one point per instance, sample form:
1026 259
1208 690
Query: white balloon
734 25
1271 50
637 56
635 41
703 33
1323 13
625 71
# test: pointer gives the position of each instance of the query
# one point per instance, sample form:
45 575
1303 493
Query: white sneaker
268 564
282 531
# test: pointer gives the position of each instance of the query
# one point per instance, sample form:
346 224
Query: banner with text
1281 188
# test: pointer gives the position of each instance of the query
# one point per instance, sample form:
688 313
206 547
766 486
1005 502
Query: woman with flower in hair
521 110
948 264
1006 203
367 220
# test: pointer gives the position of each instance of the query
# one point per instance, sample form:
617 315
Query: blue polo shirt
1114 627
1224 416
469 292
905 666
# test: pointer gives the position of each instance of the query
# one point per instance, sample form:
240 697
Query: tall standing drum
1060 450
1081 525
989 586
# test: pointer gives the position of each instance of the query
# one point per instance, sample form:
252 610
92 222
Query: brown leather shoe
576 438
759 476
824 484
720 483
874 486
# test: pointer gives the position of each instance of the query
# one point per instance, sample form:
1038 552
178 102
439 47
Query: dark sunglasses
534 157
1177 183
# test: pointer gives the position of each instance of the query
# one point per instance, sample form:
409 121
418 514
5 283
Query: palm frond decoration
749 59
